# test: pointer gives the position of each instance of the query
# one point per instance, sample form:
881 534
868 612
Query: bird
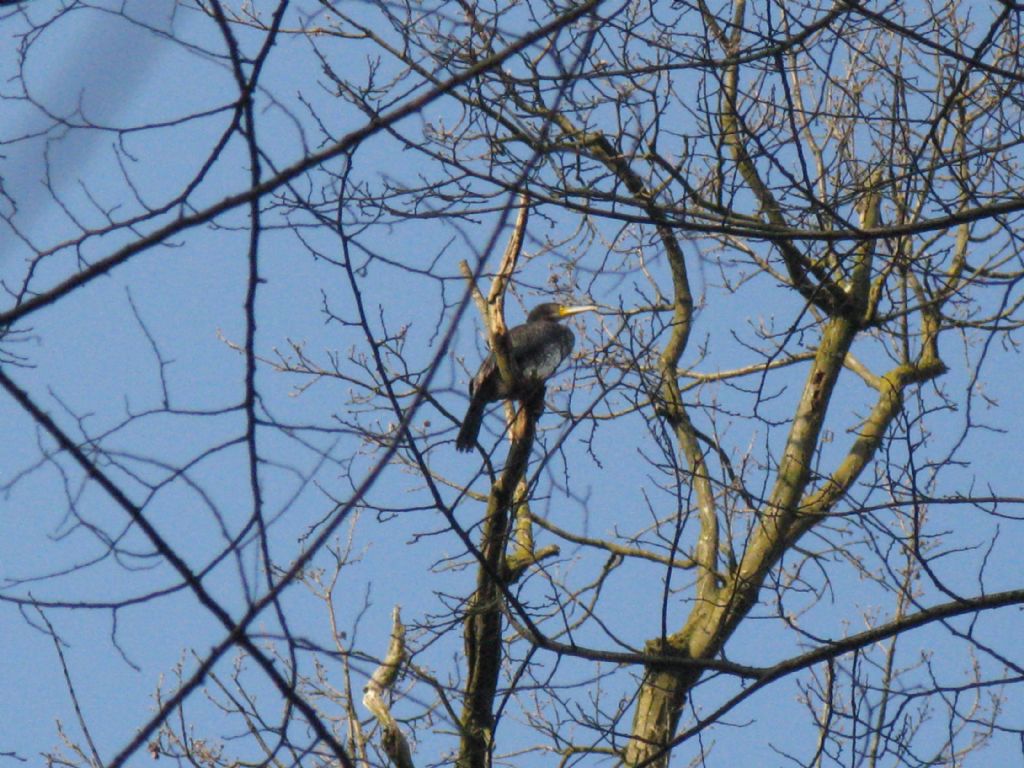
537 348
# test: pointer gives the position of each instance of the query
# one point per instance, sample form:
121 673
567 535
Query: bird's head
555 311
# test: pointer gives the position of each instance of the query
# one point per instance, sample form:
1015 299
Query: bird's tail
470 425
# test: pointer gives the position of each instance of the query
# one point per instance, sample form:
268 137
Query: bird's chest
540 349
543 361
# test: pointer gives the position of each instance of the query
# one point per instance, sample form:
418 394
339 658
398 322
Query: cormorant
537 349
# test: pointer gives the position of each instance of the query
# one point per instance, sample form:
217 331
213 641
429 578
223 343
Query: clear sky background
145 362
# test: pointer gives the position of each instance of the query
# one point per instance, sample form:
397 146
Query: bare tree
766 510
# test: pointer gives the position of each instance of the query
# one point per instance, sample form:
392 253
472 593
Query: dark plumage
537 347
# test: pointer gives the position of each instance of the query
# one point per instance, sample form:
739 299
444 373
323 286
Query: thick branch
656 714
670 399
393 741
821 291
484 613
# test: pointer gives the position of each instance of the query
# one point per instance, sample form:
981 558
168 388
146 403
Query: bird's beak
567 311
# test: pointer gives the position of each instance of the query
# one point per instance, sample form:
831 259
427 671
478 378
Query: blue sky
146 360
